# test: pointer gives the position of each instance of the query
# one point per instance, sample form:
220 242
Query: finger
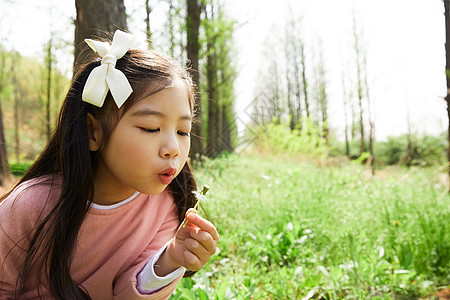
205 239
193 263
198 249
191 211
203 224
188 212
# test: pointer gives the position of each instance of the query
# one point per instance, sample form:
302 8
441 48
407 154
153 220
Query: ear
95 132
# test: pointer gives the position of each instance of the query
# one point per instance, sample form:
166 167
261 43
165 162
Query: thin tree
370 119
170 21
408 157
4 166
96 18
322 99
148 10
194 9
226 75
447 72
359 90
298 89
17 98
305 82
290 79
346 99
5 73
211 81
49 61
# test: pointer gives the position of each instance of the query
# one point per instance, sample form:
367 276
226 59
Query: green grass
292 230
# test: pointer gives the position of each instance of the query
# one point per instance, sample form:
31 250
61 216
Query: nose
170 147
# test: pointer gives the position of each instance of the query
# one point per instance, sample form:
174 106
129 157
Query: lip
166 176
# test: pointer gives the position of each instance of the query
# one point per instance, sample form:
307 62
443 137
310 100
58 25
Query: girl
98 215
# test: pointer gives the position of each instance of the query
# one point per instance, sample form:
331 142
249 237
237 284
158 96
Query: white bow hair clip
106 77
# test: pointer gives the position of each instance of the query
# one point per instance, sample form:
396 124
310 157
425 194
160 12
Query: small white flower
298 271
267 178
289 227
302 239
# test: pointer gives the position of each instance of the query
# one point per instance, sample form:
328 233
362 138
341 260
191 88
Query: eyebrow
150 112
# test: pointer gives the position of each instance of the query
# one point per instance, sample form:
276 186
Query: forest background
358 114
344 50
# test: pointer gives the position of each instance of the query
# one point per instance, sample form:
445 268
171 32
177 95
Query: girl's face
148 147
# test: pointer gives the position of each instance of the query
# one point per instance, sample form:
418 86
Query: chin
153 190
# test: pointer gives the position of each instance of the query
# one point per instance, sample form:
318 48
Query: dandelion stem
203 192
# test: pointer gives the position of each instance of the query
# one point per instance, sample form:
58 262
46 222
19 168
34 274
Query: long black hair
67 156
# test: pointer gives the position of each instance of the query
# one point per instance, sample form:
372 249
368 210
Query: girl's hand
193 244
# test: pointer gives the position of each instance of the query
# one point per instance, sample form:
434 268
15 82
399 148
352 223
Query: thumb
189 211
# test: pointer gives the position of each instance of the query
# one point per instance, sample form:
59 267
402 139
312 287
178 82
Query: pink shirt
113 245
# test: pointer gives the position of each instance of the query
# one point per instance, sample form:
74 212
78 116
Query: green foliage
291 230
19 169
278 138
392 151
426 150
24 80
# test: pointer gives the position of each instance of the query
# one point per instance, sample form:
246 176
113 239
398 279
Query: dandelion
199 196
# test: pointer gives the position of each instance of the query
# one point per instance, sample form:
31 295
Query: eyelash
146 130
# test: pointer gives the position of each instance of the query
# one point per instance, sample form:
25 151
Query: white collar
115 205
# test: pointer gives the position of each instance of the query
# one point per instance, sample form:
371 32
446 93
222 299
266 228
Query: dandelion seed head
199 196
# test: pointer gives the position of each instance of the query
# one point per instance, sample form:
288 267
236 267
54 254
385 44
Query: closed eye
183 133
147 130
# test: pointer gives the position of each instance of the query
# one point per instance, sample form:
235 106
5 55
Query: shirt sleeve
18 217
147 280
11 260
126 287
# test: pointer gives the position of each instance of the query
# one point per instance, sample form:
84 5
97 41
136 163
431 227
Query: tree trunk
148 10
361 125
96 19
5 74
305 82
289 64
16 116
371 143
345 102
194 8
213 107
49 84
354 120
359 87
447 72
298 92
226 131
4 166
171 29
16 97
371 121
211 76
409 154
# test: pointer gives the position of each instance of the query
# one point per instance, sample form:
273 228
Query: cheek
128 146
185 147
